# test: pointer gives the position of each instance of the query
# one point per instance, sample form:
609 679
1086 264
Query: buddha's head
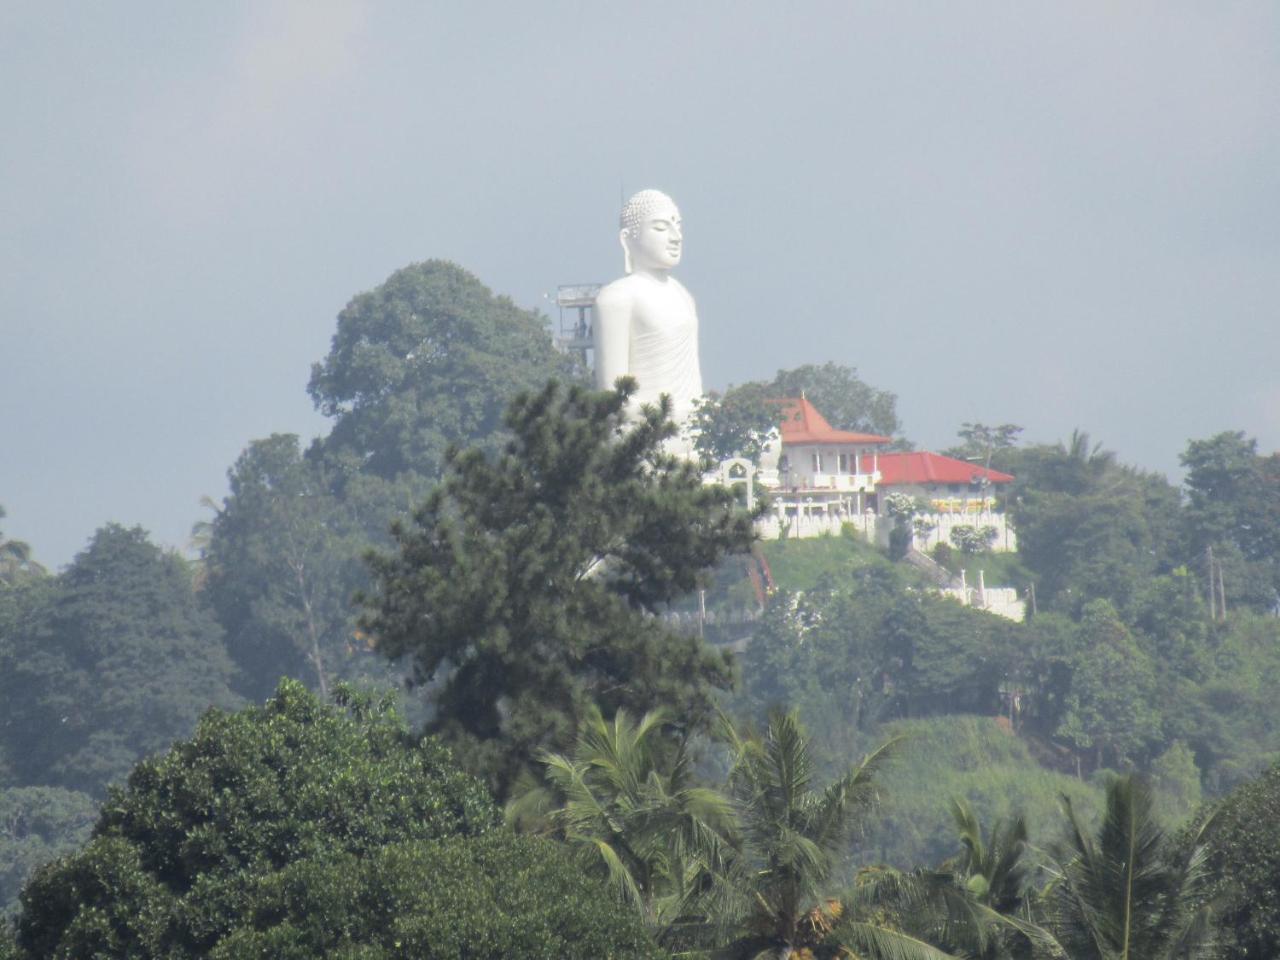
651 234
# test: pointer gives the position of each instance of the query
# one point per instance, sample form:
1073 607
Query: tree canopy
427 360
15 558
299 829
1088 527
1244 862
112 662
283 562
1233 516
527 585
738 422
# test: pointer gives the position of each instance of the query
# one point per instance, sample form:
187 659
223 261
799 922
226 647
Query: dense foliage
739 421
1128 890
529 598
498 897
38 824
429 359
298 829
16 562
861 649
528 583
1244 864
107 663
284 558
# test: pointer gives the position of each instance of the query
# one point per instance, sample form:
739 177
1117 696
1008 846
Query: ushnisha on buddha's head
652 235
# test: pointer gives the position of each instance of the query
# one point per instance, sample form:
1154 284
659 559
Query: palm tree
1127 894
994 869
1083 464
777 893
15 558
628 801
994 877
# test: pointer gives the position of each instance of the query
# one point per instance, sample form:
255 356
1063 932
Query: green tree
973 540
736 424
496 897
427 360
299 829
776 899
1111 705
527 585
902 507
1089 528
827 651
1233 510
845 400
117 660
996 878
1244 865
15 558
1176 780
38 824
1129 891
994 866
627 801
284 560
981 441
984 443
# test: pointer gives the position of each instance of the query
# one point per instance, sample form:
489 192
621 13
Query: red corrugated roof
802 423
925 468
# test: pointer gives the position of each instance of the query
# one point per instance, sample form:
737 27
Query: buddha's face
656 241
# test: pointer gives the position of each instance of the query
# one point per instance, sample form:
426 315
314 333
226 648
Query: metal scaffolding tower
577 303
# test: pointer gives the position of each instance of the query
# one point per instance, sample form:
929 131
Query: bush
499 896
1244 860
38 824
177 855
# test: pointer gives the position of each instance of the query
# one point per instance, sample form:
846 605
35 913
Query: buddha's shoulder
621 292
633 288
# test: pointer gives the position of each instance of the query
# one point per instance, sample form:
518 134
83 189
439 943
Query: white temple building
818 479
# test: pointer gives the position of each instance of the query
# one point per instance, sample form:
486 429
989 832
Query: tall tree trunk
313 633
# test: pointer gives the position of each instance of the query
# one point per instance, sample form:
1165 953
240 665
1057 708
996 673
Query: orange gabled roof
802 423
924 468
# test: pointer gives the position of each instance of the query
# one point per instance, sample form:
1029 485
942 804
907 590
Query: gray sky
1059 215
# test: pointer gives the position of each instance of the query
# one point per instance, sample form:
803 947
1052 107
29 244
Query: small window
844 463
817 463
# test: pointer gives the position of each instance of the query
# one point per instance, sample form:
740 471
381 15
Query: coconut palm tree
988 909
994 868
777 896
1127 894
627 799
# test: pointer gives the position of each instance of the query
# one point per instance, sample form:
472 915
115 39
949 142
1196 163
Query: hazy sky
1061 215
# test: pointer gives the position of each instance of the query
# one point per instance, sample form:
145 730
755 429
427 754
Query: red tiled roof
802 423
924 468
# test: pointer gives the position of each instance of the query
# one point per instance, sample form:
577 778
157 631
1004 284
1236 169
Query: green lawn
800 564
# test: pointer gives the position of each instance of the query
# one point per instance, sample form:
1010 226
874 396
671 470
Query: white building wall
875 529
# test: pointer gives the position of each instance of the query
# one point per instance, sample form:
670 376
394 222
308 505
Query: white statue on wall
646 324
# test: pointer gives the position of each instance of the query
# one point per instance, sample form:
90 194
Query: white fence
876 528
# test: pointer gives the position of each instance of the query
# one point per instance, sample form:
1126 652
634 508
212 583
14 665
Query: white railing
806 522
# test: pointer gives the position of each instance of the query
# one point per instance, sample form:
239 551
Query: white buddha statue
646 324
